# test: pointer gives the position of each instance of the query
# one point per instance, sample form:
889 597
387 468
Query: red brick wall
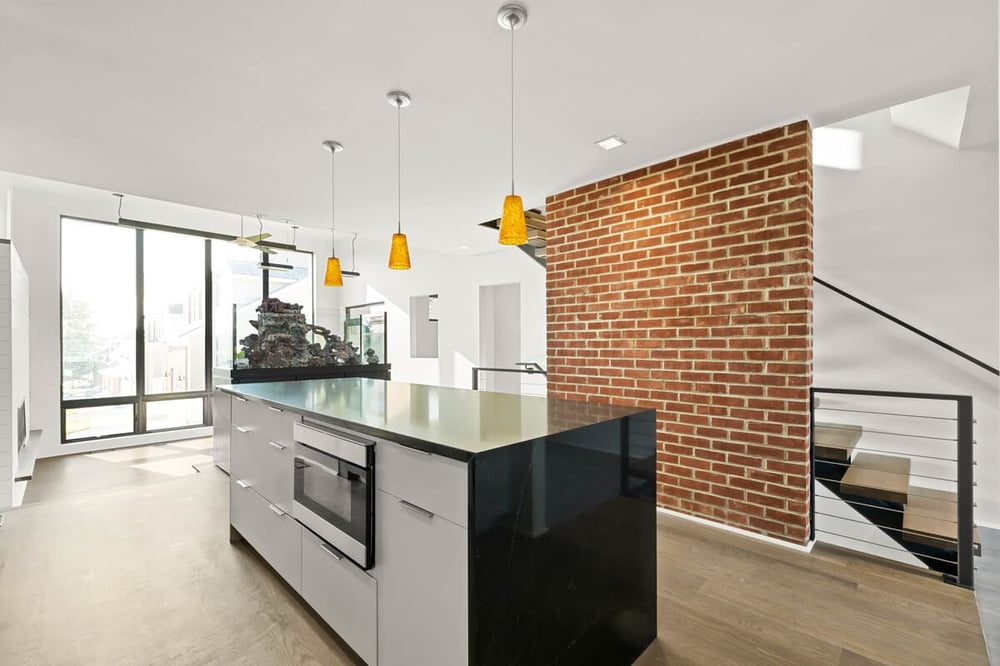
687 286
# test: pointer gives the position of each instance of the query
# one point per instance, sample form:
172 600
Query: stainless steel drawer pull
241 399
242 429
331 552
416 509
242 484
274 409
280 447
276 510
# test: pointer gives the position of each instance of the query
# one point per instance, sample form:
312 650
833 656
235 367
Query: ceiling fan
254 242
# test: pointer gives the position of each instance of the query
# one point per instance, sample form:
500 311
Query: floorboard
115 561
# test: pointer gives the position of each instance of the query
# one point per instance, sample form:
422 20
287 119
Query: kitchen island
503 529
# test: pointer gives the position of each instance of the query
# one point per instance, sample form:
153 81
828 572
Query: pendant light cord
399 169
513 23
333 203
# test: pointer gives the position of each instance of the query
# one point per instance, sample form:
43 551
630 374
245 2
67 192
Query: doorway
500 336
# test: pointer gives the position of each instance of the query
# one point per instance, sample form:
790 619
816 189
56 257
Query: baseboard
735 530
127 441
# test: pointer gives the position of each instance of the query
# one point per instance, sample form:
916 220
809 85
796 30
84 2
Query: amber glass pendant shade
399 253
513 228
333 277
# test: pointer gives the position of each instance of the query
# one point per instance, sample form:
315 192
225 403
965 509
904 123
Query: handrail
965 468
909 327
529 369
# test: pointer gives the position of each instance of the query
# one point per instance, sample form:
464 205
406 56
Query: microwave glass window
335 490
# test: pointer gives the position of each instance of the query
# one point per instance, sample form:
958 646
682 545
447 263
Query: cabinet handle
416 509
241 399
331 552
276 510
242 484
280 447
274 409
243 430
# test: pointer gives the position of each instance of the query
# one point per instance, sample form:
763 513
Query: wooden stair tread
534 220
878 477
836 441
930 516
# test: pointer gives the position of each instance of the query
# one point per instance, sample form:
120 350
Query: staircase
535 247
883 491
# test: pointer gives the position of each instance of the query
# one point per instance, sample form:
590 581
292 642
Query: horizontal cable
908 494
866 411
886 527
901 550
896 453
887 432
876 469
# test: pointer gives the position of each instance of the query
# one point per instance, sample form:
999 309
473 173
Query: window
137 340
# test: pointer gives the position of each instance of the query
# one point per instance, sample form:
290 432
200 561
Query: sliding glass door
138 306
98 330
134 330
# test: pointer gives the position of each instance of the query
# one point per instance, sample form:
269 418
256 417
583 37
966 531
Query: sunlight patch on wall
838 148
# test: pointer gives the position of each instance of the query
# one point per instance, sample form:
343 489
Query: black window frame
140 400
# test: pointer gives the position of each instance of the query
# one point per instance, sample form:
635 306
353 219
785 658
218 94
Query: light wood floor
110 564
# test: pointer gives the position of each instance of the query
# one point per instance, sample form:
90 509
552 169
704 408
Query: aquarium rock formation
282 341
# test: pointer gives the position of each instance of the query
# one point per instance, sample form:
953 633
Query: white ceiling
224 104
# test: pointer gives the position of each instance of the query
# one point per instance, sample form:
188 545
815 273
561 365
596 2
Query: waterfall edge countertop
457 423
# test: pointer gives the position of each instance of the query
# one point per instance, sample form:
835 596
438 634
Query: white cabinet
262 450
422 567
342 594
271 531
436 483
221 425
270 423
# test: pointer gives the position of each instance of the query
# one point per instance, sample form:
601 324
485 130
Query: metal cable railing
528 369
896 477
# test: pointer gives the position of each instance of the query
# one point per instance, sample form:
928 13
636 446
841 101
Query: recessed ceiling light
611 142
464 247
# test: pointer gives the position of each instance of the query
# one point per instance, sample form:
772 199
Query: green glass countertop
458 423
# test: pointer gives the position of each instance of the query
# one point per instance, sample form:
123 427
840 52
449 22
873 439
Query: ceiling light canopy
333 276
513 227
399 253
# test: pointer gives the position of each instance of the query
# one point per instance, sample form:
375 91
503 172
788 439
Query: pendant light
513 227
333 277
399 253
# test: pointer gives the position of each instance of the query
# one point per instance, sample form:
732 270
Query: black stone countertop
457 423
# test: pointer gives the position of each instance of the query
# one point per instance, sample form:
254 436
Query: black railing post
966 491
475 379
812 464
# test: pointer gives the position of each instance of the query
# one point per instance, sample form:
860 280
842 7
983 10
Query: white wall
5 201
20 341
915 233
38 205
8 457
456 279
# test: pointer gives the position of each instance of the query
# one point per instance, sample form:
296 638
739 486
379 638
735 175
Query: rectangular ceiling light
610 142
274 267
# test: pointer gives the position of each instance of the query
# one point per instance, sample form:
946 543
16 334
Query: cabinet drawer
342 594
272 532
435 483
267 466
269 423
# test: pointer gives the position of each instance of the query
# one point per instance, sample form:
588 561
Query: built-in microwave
334 490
